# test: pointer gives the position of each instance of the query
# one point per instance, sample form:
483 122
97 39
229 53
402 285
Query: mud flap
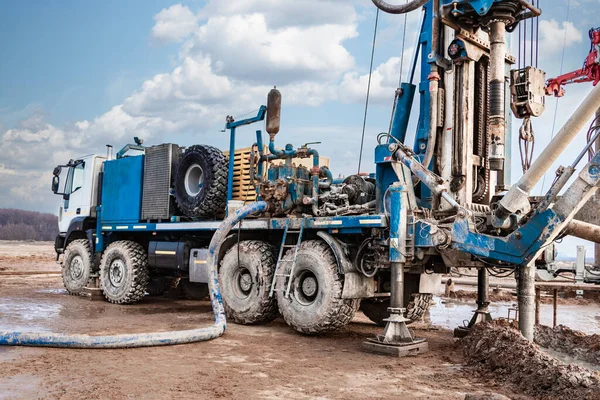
356 285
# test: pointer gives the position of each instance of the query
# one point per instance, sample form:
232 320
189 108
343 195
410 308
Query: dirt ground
263 362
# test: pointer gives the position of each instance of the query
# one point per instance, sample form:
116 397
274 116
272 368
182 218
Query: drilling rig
313 248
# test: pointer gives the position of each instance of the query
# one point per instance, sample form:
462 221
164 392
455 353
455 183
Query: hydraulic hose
399 9
45 339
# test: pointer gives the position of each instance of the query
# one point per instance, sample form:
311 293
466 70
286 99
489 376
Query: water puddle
450 313
26 316
52 291
567 359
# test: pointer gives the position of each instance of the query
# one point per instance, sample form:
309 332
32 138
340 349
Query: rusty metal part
584 230
273 112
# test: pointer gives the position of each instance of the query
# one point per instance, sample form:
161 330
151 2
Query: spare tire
201 182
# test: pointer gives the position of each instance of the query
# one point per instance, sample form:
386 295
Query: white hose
45 339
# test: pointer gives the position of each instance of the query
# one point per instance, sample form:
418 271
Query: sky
75 76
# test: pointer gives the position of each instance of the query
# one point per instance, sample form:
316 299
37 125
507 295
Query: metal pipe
483 285
584 230
434 84
554 307
538 307
328 178
231 164
517 197
536 12
526 298
399 9
398 223
597 245
497 118
109 152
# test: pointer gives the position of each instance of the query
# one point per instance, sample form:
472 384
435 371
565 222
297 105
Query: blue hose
8 338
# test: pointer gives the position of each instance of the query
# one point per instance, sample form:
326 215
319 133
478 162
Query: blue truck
321 248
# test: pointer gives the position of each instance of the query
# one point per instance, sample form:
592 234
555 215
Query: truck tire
124 272
245 285
77 266
201 182
315 304
193 290
376 309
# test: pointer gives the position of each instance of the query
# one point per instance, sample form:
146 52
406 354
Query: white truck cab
77 182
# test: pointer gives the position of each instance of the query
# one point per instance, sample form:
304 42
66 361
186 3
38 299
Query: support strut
526 298
396 339
482 314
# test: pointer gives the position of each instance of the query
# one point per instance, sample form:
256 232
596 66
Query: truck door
72 205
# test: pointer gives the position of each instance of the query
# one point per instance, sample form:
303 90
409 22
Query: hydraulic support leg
526 297
396 339
597 245
482 314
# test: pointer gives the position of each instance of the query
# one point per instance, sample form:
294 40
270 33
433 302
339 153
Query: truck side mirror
56 173
55 182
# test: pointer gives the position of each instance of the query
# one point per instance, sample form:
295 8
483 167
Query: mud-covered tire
201 182
124 272
77 266
376 309
315 304
193 290
245 285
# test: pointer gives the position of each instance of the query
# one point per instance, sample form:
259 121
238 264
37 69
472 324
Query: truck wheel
124 272
201 182
245 285
376 309
77 266
315 303
193 290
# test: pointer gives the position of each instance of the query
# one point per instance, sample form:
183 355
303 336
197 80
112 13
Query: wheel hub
194 179
244 281
76 269
306 287
116 273
309 286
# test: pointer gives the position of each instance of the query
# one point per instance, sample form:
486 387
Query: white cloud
384 82
231 54
553 35
173 24
245 47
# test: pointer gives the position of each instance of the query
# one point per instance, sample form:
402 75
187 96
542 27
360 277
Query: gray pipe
45 339
584 230
399 9
517 197
496 120
526 299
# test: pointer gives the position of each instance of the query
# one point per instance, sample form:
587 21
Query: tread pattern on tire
267 310
139 270
214 201
342 310
88 248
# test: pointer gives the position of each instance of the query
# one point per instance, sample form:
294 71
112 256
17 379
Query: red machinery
589 73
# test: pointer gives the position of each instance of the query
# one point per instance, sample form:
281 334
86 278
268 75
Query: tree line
27 225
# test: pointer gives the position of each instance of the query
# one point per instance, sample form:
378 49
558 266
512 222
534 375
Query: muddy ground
263 362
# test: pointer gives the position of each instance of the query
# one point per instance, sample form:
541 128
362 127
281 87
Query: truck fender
356 285
83 228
